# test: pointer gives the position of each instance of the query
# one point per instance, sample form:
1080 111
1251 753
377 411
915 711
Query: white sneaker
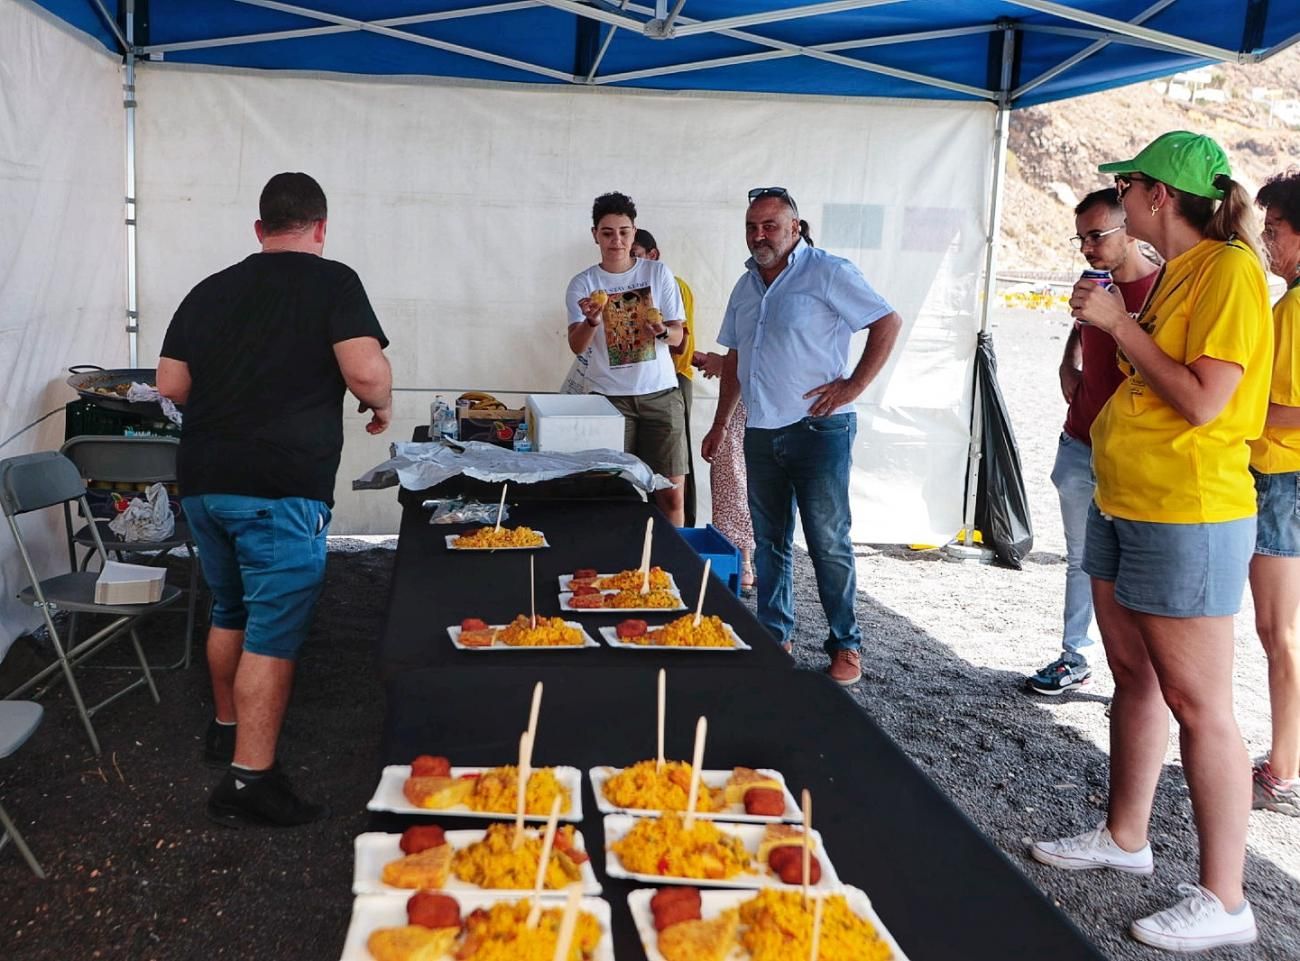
1095 849
1196 923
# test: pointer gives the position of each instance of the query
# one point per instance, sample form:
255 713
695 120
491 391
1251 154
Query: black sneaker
266 800
219 745
1065 673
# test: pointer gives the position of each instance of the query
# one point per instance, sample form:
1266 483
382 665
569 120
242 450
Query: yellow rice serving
498 790
632 580
683 633
505 537
664 847
549 632
635 599
777 927
499 933
642 787
495 862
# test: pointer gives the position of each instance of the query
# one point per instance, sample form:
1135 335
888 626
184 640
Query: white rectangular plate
713 903
714 779
618 825
374 850
388 795
453 631
569 608
567 579
373 911
452 538
610 636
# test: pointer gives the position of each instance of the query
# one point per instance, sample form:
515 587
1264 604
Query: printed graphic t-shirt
1277 451
625 359
265 412
1151 464
1101 375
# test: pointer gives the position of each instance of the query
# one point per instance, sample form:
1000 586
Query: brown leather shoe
846 667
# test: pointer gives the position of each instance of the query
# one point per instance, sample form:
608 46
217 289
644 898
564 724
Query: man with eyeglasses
1089 375
787 328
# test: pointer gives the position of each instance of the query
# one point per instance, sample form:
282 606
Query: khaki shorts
654 429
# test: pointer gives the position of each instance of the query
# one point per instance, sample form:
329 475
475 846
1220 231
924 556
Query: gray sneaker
1066 672
1271 793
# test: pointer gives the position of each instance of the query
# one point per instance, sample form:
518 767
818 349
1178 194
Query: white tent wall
466 209
62 250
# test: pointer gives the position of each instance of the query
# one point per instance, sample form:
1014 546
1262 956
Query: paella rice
498 790
503 537
662 846
632 580
499 933
645 787
549 632
495 862
777 926
683 632
634 599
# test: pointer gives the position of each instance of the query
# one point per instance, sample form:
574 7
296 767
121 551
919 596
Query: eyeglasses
1124 181
760 193
1093 237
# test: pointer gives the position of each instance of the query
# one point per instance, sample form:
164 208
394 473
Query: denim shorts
264 560
1171 570
1277 502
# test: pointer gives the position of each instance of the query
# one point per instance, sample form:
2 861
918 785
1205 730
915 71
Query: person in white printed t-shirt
630 312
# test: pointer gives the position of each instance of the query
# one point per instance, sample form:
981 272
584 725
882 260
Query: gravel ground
949 647
137 873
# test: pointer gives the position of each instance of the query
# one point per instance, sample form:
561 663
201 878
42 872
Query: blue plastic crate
709 543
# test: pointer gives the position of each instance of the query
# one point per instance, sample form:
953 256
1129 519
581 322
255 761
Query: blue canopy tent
1006 53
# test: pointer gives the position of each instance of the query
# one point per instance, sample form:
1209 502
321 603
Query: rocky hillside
1055 149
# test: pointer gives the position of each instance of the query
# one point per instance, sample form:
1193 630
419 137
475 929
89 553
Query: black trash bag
1001 507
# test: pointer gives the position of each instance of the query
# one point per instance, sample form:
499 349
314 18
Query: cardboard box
489 426
572 422
120 583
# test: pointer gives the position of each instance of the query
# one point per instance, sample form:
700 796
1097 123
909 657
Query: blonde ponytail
1232 218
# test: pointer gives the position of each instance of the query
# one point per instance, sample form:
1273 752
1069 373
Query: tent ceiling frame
665 24
111 22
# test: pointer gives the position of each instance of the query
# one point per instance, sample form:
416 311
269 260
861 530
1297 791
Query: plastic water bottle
522 443
444 420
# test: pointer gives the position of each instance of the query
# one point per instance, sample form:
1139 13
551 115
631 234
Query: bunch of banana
480 400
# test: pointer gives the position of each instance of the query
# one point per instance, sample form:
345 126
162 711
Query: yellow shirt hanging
1151 464
1277 451
682 359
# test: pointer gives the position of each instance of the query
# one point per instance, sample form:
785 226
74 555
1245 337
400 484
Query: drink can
1099 277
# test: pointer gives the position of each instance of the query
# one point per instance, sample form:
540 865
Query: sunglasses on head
761 193
1124 181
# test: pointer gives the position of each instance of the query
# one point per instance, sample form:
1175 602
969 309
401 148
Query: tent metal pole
967 550
129 104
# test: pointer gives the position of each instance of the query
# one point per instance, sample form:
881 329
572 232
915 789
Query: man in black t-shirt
261 355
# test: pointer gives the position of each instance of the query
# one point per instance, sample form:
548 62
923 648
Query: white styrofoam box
571 422
120 583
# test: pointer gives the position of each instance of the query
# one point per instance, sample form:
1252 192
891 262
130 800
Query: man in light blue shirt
787 328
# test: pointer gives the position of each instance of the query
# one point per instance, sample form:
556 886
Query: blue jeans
804 464
1075 486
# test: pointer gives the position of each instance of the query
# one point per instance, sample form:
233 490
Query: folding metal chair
32 482
18 721
132 460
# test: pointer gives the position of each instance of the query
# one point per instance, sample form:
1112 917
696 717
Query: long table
941 888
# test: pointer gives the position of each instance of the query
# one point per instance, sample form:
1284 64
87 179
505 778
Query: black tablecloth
434 587
943 890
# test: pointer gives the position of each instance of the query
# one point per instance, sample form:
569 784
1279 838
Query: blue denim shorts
264 560
1172 570
1277 503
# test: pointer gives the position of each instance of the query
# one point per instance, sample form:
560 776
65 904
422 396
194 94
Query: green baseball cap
1183 160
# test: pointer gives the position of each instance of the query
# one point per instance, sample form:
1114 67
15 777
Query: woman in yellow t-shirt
1172 529
1275 463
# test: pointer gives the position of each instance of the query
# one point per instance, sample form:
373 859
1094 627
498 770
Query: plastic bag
576 380
1001 506
459 511
147 518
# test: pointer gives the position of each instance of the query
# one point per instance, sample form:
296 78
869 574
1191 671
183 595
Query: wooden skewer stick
568 924
535 912
502 506
645 556
807 843
521 805
704 584
663 691
532 591
533 711
697 764
817 930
